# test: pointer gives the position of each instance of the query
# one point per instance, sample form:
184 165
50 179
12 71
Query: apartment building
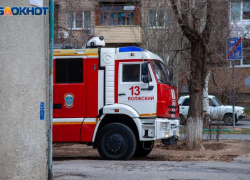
78 20
221 82
74 21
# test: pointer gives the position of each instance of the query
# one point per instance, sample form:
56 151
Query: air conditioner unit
63 34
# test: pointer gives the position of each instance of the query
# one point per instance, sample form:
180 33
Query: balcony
119 34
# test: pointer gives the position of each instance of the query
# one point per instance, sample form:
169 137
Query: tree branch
183 22
210 13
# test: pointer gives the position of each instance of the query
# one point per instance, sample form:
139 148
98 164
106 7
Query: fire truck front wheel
116 142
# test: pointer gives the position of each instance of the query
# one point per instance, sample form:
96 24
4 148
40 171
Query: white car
217 110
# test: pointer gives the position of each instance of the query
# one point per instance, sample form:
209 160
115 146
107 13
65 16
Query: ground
224 150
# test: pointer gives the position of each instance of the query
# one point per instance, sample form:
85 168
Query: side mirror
144 73
144 69
145 79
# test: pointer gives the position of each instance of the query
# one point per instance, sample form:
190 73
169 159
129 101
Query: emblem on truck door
69 98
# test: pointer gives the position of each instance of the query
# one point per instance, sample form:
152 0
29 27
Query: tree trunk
206 108
195 120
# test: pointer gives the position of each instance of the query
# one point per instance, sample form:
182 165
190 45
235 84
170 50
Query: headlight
242 111
164 125
166 135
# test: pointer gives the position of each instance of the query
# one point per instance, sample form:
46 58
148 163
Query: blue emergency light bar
129 49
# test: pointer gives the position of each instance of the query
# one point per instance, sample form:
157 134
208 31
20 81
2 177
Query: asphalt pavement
243 123
153 170
169 170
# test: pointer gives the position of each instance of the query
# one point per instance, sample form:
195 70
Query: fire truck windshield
161 72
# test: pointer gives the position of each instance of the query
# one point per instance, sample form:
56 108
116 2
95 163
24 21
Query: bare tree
195 19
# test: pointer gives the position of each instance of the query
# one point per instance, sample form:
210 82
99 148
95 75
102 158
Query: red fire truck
119 100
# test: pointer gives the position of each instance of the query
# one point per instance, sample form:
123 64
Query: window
159 18
240 10
152 18
245 61
211 103
69 70
131 72
116 15
161 72
216 101
246 9
186 102
78 20
246 51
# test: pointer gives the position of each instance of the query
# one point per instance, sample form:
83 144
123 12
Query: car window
211 103
131 73
186 102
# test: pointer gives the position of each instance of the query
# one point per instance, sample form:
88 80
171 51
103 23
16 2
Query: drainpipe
51 22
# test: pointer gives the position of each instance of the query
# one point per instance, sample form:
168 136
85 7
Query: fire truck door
133 92
69 101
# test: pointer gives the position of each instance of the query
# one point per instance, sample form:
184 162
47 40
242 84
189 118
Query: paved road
244 123
119 170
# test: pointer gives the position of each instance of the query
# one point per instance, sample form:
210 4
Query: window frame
117 18
126 64
241 12
165 12
74 21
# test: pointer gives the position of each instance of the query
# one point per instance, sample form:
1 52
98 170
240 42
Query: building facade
117 21
24 95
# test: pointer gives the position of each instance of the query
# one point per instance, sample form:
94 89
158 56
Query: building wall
159 32
77 37
23 86
113 35
119 34
221 84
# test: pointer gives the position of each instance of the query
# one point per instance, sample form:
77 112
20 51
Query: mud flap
170 141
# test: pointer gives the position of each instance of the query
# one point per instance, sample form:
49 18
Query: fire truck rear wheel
116 142
144 148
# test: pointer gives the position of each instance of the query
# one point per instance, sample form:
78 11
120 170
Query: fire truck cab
119 100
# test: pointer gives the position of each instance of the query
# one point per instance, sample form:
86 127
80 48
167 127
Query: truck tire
228 119
144 148
116 142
